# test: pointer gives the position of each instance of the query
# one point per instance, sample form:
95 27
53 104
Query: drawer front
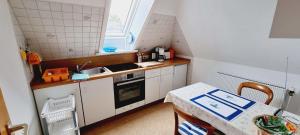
152 73
167 70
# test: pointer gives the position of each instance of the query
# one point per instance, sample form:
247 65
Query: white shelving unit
60 116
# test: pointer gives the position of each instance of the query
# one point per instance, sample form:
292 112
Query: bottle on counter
172 53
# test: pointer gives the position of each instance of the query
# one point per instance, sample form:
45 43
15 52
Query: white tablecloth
241 125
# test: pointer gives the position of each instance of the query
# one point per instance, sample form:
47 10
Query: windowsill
118 51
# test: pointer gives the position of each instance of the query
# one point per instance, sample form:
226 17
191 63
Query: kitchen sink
95 71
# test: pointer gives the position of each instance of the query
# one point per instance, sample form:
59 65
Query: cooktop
122 67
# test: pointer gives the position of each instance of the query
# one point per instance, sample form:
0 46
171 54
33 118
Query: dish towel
77 77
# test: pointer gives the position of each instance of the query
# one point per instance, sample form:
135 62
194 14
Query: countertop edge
177 61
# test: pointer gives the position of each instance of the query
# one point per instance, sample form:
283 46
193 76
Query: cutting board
149 64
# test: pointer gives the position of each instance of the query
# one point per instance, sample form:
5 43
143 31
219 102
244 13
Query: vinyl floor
154 120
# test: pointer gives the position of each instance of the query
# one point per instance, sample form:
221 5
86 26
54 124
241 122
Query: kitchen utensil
167 55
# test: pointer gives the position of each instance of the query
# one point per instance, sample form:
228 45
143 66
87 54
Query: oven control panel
129 76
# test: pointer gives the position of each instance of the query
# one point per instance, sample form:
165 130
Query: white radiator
231 82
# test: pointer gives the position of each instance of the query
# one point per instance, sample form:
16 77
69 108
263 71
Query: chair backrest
191 119
259 87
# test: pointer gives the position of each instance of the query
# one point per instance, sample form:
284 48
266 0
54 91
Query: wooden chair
259 87
192 120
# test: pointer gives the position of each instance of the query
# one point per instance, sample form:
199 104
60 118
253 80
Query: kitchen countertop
176 61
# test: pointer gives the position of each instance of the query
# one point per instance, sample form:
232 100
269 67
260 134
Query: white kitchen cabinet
152 73
98 99
42 95
166 81
152 85
180 75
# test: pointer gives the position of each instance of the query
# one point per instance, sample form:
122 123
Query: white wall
204 70
233 36
13 82
236 31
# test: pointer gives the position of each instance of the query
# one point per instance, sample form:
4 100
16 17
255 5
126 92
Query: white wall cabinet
152 85
42 95
180 75
98 99
166 81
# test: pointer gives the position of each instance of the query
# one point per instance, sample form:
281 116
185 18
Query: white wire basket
55 110
64 127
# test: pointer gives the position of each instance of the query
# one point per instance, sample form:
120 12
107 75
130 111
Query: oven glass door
129 92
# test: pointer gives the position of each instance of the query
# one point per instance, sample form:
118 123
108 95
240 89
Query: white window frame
129 20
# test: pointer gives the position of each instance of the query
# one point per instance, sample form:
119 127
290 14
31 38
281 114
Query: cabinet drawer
152 73
167 70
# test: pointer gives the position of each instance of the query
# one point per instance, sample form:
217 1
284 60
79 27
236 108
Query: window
125 22
120 17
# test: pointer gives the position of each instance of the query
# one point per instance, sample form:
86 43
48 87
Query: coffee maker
161 54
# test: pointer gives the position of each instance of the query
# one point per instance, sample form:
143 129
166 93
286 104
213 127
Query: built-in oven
129 88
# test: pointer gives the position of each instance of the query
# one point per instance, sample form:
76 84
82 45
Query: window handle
132 38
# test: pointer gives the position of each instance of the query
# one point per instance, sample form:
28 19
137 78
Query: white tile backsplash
87 10
42 5
36 28
45 14
57 30
68 23
58 22
23 20
67 8
36 21
47 21
78 16
67 16
57 15
158 32
77 9
33 13
20 12
16 3
55 6
26 27
30 4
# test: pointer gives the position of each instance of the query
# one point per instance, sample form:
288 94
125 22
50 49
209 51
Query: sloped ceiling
179 42
236 31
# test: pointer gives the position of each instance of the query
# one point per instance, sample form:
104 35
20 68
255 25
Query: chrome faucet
81 66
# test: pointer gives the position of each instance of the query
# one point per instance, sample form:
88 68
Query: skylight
120 14
125 22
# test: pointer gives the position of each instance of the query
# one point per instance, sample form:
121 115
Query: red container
172 53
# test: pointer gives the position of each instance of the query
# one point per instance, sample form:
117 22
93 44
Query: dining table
241 124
